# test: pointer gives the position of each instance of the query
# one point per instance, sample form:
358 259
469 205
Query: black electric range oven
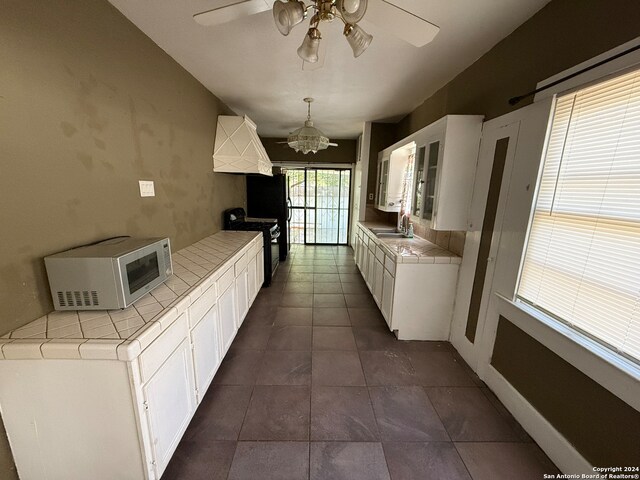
236 219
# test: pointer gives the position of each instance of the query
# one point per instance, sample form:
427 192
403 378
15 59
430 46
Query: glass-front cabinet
418 181
444 166
430 181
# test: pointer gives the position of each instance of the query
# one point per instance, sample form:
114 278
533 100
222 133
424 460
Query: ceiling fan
288 13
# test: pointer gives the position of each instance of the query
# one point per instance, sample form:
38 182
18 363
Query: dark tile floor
316 387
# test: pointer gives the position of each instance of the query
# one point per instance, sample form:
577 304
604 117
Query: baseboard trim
558 448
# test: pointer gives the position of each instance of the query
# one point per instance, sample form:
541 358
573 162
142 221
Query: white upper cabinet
445 167
392 171
442 161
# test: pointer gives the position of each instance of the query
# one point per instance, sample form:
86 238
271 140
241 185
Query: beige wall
88 106
561 35
345 152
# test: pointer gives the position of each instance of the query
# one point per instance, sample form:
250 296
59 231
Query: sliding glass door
319 205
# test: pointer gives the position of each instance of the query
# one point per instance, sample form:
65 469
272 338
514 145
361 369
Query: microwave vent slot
84 298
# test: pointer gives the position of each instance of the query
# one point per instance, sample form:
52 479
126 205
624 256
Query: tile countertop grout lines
102 333
410 250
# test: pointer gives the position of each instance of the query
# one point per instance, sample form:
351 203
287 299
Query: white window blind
582 260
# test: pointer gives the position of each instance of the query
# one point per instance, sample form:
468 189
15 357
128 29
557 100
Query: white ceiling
250 66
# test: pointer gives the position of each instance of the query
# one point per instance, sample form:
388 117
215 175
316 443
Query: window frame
592 343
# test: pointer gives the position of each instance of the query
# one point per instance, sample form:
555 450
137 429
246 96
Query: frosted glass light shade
352 11
358 39
287 15
308 51
308 139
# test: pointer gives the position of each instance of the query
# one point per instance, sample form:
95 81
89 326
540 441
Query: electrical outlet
146 188
371 196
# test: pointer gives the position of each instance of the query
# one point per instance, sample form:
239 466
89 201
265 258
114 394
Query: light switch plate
147 189
371 196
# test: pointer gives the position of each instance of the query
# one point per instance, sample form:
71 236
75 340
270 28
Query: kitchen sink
383 230
390 235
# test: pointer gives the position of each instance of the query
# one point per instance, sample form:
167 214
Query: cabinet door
371 274
206 350
388 283
384 183
379 180
260 268
227 311
418 181
365 258
170 403
377 286
430 186
242 296
252 280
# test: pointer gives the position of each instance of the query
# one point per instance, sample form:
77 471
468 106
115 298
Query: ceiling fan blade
322 55
403 24
228 13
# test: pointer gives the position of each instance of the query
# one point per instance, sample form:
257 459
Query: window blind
582 259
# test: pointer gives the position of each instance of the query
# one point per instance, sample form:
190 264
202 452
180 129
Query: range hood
237 147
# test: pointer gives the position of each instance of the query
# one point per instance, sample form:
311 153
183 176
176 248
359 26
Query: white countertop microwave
108 275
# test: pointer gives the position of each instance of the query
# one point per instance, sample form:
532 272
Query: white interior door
514 137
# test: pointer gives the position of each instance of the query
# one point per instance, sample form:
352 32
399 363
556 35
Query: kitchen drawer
390 265
202 305
161 348
225 280
380 254
242 263
256 249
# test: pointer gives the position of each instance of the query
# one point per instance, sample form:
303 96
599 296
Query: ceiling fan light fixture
288 14
308 51
351 11
358 39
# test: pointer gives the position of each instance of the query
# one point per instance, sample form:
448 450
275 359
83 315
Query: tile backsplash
451 240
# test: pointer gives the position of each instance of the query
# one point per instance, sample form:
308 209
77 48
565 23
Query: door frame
349 197
522 127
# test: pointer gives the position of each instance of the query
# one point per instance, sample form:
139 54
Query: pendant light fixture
308 138
289 13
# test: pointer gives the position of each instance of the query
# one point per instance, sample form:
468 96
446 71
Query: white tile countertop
410 250
121 334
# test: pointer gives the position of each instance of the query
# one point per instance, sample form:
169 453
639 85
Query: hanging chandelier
288 14
308 138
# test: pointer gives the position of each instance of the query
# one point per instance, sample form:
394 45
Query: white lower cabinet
252 280
120 415
388 283
169 400
206 350
242 296
371 269
227 310
378 273
415 299
260 268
